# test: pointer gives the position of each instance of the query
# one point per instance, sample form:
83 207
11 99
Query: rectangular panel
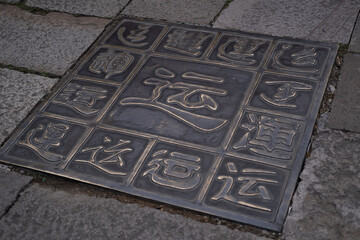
189 97
212 120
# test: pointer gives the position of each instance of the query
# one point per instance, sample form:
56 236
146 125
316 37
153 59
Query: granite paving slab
11 1
104 8
48 214
355 38
50 43
186 11
207 119
345 112
330 20
19 93
326 203
11 185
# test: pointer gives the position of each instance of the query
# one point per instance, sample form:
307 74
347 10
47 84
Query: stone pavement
330 20
50 43
41 40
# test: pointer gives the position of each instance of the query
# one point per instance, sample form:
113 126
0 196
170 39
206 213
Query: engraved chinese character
298 60
242 50
136 37
286 91
268 136
191 97
253 186
111 63
81 98
103 157
186 42
52 135
175 170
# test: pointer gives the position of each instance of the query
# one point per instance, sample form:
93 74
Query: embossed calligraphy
182 99
111 63
178 170
81 98
268 136
242 50
52 135
287 90
102 156
305 58
186 42
252 187
136 37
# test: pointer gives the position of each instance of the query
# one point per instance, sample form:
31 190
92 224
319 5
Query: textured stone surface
19 93
345 113
326 203
187 11
102 8
50 43
329 20
355 38
11 185
48 214
11 1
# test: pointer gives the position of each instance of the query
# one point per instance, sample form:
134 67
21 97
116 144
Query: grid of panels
211 120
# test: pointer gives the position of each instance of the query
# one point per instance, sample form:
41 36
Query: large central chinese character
185 99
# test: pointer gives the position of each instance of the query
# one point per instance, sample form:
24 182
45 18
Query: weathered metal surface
212 120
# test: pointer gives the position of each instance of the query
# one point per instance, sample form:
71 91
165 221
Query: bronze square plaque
212 120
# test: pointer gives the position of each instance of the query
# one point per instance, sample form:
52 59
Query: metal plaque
212 120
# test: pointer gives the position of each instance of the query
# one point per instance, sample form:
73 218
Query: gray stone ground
346 107
53 213
355 39
329 20
326 202
11 1
50 43
19 93
186 11
11 185
99 8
